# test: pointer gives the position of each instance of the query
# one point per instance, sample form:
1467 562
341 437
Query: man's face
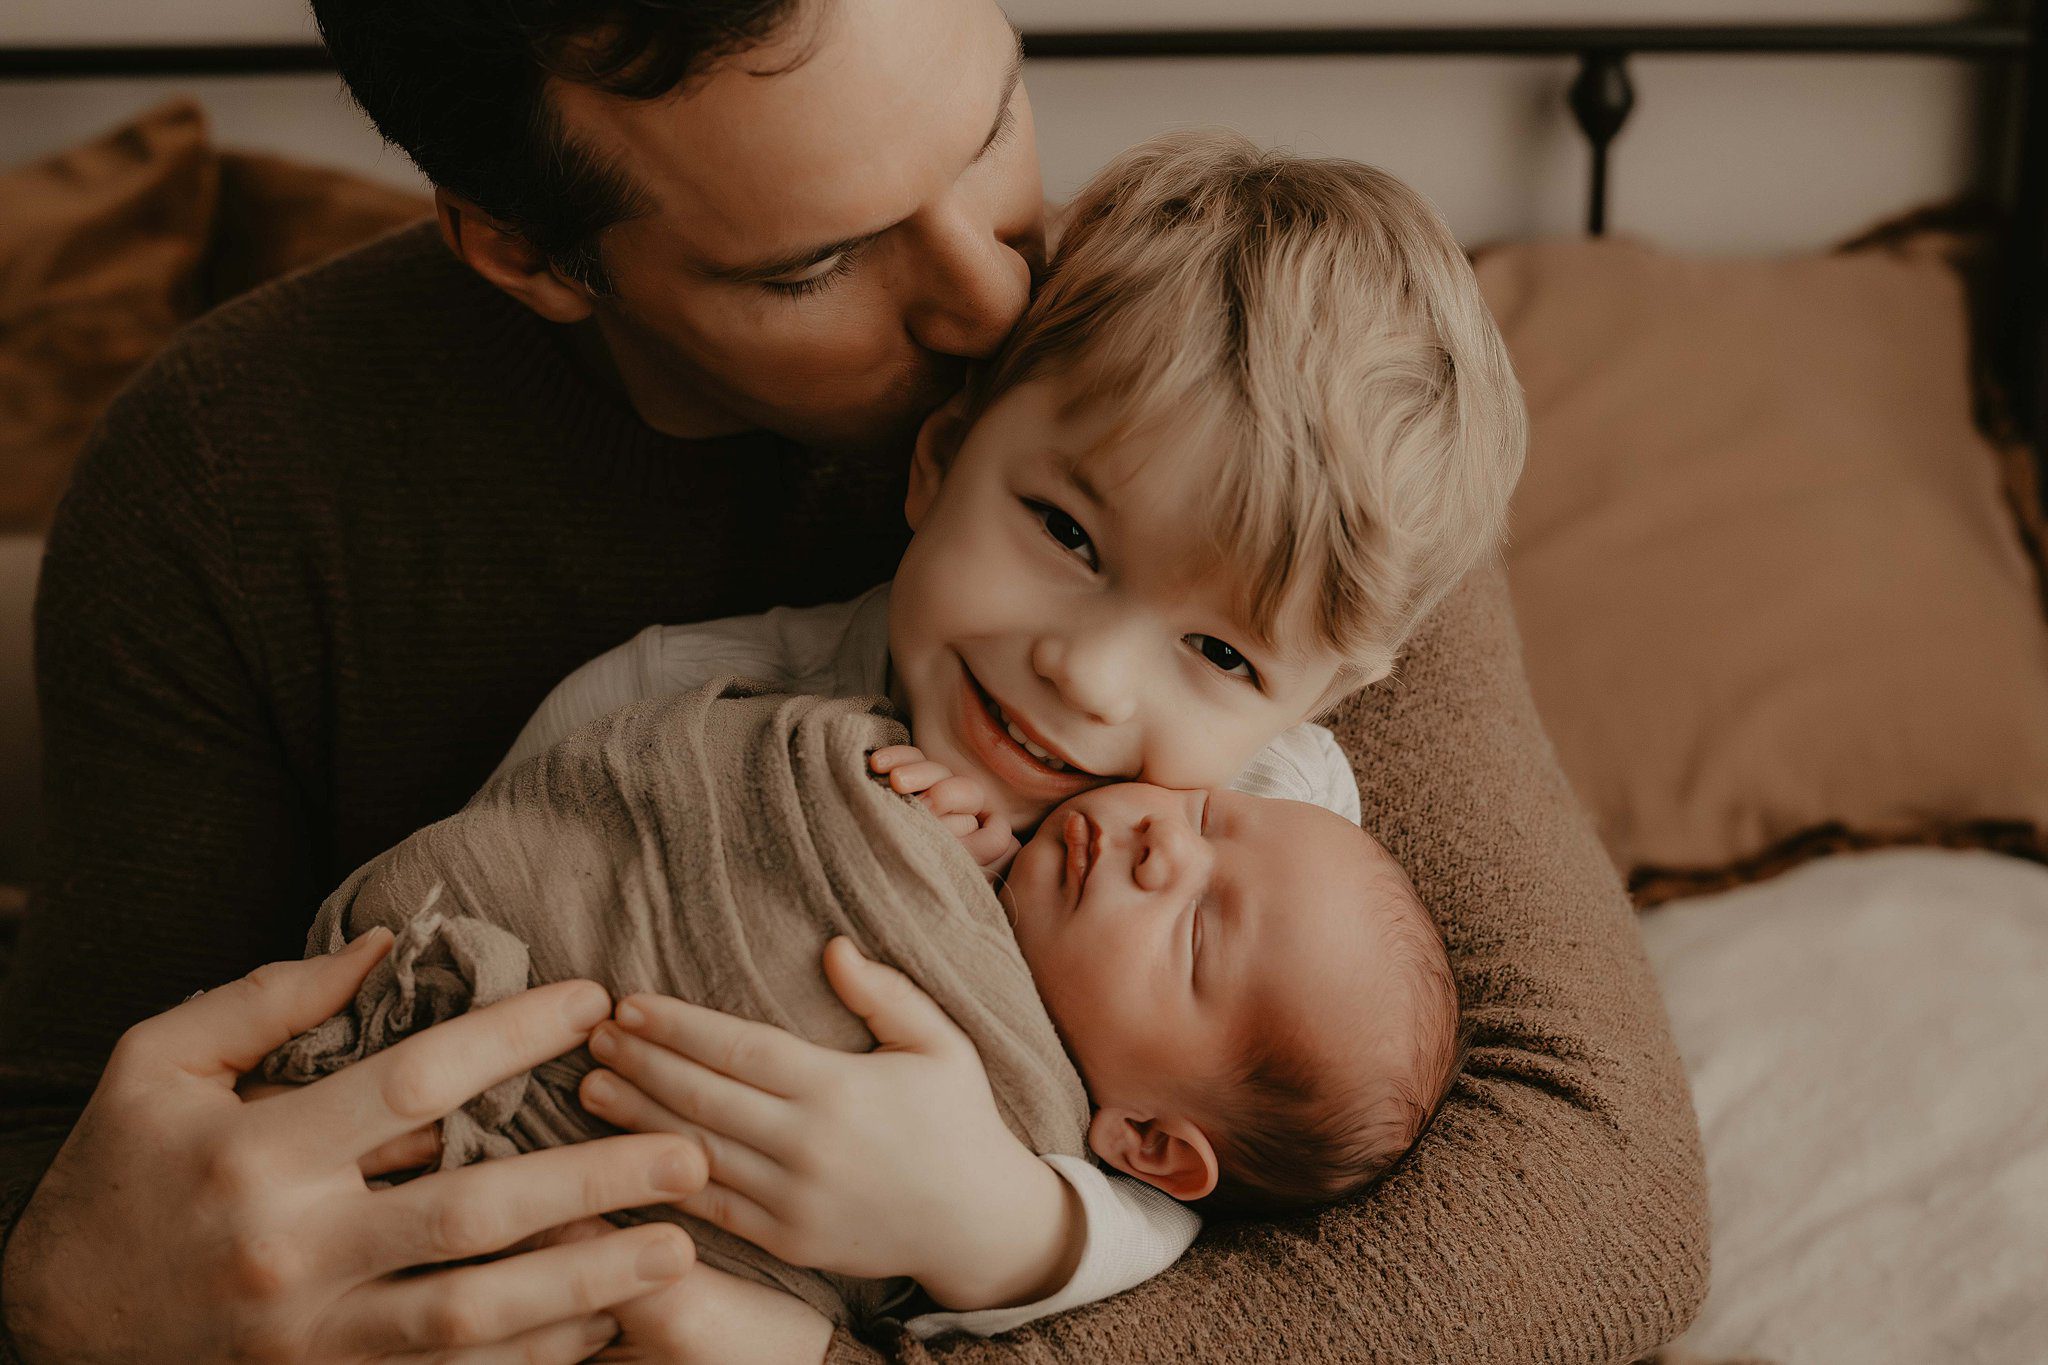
1163 928
1060 620
837 222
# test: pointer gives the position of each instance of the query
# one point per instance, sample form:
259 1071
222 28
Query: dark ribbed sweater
326 555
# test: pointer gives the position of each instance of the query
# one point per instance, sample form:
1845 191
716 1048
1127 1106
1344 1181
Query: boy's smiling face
1062 587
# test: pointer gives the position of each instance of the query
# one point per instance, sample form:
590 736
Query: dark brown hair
460 86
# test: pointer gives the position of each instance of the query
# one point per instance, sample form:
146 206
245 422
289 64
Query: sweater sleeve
175 853
1556 1210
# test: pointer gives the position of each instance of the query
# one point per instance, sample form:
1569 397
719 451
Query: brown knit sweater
325 557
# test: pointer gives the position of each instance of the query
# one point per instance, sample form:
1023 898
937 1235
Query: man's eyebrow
797 262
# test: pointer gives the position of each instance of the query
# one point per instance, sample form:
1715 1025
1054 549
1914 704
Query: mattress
1867 1039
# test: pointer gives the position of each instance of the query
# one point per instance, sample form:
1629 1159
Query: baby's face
1060 620
1163 928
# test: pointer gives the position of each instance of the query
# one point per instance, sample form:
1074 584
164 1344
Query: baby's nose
1164 854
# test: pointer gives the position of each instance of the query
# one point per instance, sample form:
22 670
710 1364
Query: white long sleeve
1134 1232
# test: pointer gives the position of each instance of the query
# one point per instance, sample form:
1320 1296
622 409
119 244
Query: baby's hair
1291 1133
1318 323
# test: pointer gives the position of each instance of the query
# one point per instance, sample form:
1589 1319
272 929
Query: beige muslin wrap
705 846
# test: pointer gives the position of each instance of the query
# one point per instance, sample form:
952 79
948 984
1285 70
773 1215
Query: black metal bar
1600 99
1973 39
2023 344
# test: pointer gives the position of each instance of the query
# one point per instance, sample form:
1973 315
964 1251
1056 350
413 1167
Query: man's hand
892 1162
179 1223
960 802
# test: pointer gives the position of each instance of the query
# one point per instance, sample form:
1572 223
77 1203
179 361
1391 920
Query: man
700 269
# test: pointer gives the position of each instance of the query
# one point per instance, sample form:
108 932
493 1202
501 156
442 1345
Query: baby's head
1256 422
1259 1005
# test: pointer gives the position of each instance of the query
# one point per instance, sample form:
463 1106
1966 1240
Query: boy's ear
508 260
1169 1153
938 441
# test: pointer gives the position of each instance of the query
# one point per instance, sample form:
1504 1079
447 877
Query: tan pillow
1773 594
99 256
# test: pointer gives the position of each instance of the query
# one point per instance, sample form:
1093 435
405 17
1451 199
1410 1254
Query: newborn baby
1257 1005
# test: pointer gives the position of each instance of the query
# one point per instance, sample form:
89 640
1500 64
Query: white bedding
1867 1038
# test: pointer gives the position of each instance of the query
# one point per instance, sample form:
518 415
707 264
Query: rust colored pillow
278 216
99 258
1774 594
110 247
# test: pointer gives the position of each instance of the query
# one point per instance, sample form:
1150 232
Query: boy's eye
1223 656
1065 530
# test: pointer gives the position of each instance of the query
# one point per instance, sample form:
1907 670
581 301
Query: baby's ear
1169 1153
938 441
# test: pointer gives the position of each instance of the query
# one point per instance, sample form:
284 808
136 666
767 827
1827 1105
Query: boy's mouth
1011 752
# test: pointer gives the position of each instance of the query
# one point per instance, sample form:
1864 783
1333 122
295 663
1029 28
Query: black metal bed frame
1600 100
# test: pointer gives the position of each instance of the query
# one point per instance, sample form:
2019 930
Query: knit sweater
327 554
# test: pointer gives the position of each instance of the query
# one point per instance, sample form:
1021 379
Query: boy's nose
1092 672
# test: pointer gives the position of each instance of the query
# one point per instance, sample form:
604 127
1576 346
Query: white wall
1722 154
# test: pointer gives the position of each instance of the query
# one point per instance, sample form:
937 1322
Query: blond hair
1320 322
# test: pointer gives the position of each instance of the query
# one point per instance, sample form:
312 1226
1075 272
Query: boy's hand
960 802
892 1162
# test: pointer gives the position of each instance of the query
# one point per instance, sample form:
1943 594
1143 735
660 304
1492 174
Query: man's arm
1557 1208
174 852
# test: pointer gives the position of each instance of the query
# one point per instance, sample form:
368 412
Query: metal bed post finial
1600 100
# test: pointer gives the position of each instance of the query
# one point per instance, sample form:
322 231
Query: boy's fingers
761 1055
896 1011
956 795
692 1090
988 845
909 778
421 1147
221 1033
894 756
961 827
619 1102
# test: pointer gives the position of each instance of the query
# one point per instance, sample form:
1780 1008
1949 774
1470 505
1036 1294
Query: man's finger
561 1343
763 1056
428 1076
896 1011
483 1209
223 1032
479 1305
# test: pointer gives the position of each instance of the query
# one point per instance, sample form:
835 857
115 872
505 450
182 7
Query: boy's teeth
1015 733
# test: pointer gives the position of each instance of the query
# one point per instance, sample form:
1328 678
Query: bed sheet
1867 1039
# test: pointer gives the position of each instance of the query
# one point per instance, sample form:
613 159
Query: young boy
1255 424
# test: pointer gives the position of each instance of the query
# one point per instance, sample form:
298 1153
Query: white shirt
1131 1230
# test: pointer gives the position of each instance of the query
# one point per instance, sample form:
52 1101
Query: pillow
109 248
99 257
1772 589
277 216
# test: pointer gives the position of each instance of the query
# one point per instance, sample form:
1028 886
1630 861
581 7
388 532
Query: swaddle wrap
706 846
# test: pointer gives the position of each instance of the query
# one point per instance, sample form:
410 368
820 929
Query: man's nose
1093 670
1167 853
972 286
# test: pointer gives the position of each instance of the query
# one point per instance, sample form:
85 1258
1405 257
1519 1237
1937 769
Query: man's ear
1169 1153
938 441
508 260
